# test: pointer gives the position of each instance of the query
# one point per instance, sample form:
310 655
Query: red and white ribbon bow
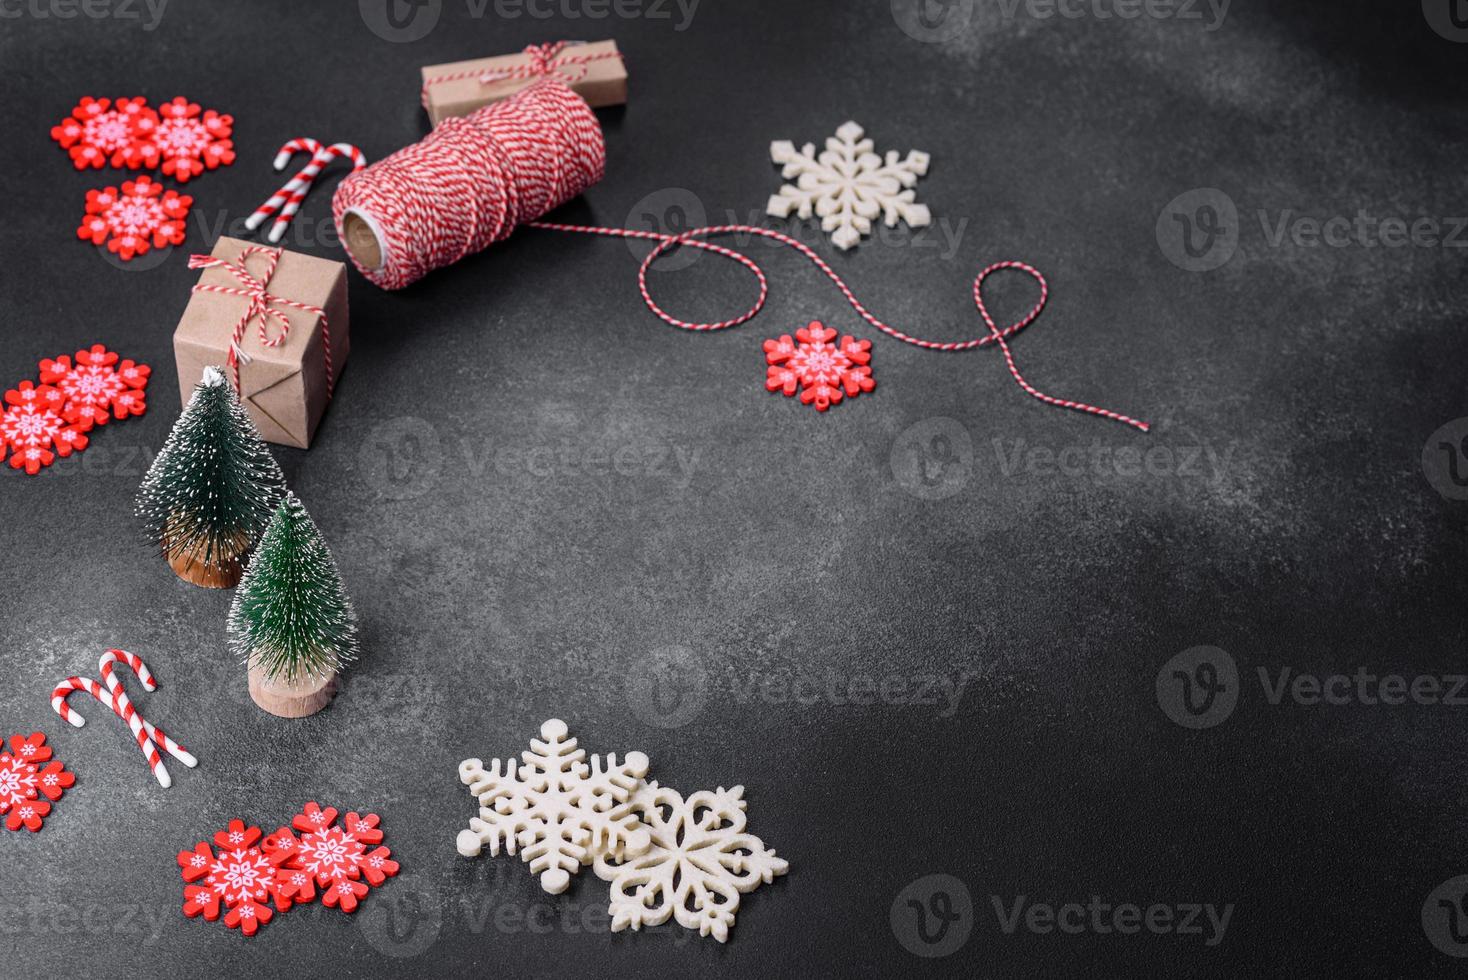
549 59
544 60
262 305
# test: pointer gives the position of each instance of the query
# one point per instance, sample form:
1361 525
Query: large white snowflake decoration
699 863
557 811
848 185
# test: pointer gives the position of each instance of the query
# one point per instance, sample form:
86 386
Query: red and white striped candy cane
58 701
140 726
74 718
58 698
311 170
300 180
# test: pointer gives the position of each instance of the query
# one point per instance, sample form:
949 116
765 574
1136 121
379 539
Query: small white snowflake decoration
556 810
847 185
699 863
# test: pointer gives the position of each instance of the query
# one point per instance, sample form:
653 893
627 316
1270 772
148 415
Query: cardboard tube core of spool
362 239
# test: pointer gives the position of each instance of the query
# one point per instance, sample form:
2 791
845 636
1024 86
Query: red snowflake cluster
41 422
179 135
821 371
243 876
23 782
139 217
179 138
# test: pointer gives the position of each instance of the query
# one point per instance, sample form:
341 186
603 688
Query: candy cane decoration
58 701
148 736
300 180
319 162
124 706
58 698
288 199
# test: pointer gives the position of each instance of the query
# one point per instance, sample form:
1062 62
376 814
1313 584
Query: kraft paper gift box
457 89
283 378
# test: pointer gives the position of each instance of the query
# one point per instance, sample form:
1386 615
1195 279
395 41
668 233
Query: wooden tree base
305 697
195 570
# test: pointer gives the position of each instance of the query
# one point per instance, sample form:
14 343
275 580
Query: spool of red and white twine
475 179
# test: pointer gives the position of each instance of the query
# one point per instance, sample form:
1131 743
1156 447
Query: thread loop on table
475 178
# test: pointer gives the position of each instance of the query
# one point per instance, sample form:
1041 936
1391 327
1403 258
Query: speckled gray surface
545 503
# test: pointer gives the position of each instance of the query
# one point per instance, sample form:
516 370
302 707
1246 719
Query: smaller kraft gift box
277 320
593 70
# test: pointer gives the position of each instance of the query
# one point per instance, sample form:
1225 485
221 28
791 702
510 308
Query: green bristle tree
291 616
212 488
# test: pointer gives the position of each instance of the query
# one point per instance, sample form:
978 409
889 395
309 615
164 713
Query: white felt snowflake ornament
699 863
847 185
556 810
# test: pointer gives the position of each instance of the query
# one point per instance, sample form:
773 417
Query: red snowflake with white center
95 384
188 142
822 372
333 858
23 782
136 218
41 422
239 879
99 132
35 428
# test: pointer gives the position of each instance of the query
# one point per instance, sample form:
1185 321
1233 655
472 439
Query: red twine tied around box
544 60
475 178
260 300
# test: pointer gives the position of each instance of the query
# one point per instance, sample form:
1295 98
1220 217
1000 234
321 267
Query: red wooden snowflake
26 393
95 383
41 422
822 372
142 214
23 782
187 142
35 433
336 859
99 132
240 878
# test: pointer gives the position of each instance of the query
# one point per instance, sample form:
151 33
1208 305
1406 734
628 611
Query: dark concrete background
506 572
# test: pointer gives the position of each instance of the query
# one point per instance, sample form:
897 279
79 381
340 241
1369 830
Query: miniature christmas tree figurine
212 488
291 621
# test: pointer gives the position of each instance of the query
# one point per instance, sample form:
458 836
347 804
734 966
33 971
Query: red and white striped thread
475 178
287 200
148 736
253 288
543 60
